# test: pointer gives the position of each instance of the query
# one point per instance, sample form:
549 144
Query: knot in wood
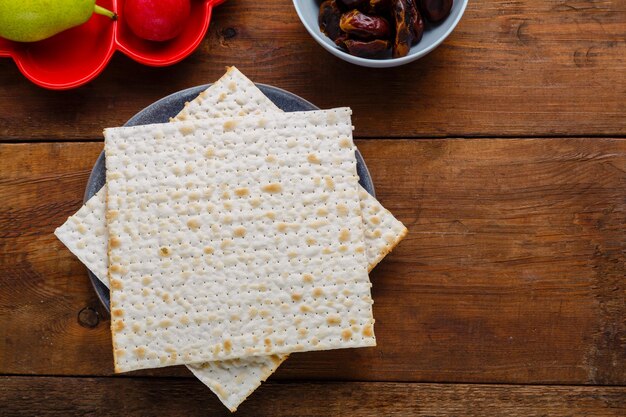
229 33
88 317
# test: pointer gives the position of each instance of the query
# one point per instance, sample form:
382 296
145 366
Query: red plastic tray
76 56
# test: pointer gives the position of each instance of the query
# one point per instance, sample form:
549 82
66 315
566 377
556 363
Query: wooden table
503 151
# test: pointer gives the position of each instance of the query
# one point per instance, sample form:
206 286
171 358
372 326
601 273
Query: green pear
34 20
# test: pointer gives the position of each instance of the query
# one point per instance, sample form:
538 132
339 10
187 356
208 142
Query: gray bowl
434 35
161 111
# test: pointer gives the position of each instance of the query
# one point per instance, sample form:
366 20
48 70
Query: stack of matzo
233 236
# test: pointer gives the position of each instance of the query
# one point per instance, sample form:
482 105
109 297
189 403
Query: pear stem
104 12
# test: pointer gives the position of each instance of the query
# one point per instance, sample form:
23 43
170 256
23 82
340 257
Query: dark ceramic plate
161 111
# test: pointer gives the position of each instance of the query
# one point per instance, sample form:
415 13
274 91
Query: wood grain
511 68
41 396
513 270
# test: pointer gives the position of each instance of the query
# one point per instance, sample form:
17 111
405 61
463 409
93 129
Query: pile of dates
371 28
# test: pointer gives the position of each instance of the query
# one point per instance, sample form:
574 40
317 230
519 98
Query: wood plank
45 396
513 270
511 68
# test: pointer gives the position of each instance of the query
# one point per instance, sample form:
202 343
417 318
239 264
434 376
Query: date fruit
435 10
377 48
379 28
417 23
403 38
363 26
329 19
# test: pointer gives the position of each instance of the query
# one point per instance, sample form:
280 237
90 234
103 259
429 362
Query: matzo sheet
232 95
274 198
85 235
234 380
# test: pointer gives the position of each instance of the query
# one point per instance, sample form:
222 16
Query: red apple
156 20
